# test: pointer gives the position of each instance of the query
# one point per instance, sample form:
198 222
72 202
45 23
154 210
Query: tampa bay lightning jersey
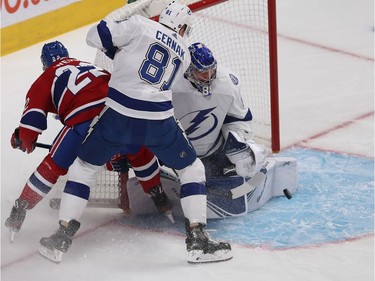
207 119
147 58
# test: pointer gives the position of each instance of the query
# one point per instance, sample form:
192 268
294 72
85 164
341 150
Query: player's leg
146 168
100 144
82 174
54 165
176 152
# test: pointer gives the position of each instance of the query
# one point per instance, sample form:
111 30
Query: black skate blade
197 256
52 255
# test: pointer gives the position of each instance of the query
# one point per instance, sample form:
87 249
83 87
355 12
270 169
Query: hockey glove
118 163
245 154
23 144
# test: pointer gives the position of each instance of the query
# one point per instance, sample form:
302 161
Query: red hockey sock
41 181
30 196
144 163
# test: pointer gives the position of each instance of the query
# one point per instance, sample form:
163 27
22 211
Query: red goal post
242 35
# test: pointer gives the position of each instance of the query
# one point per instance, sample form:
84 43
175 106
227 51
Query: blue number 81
153 67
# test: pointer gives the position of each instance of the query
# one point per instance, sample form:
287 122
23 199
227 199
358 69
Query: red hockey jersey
73 89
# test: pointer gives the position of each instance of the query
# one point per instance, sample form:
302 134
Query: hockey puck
287 193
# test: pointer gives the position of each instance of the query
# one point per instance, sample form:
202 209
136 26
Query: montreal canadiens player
75 90
147 58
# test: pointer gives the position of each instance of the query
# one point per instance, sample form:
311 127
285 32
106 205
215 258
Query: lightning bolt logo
196 122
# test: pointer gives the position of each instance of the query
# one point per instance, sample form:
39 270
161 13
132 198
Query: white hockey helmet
175 16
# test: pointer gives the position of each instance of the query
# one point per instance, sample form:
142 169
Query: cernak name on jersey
169 42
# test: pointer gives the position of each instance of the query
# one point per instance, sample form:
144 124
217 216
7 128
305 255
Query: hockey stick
242 189
234 193
43 145
248 186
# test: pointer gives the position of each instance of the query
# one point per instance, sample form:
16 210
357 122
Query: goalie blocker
226 196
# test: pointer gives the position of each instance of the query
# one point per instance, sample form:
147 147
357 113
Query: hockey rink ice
324 233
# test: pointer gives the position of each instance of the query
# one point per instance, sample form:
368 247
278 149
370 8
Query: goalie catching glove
24 140
245 154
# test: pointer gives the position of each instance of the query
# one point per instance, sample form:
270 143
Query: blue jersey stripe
106 39
39 184
35 119
60 87
139 105
230 119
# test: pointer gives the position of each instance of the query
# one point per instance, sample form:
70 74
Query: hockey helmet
52 52
176 16
202 69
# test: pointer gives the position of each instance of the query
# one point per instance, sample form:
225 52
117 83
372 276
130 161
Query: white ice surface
326 76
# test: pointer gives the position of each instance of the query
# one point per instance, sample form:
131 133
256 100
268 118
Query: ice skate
54 246
162 202
202 249
16 218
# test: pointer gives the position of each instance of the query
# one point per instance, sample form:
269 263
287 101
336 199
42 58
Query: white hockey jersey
147 59
207 119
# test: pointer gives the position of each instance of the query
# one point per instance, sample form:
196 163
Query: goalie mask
176 16
52 52
202 70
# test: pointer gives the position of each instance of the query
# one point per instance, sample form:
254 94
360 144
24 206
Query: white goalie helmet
175 15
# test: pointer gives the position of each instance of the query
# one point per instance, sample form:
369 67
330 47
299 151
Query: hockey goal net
242 36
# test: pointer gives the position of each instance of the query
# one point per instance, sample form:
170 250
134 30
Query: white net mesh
106 190
237 33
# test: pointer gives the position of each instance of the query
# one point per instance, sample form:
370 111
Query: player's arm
34 119
241 149
108 36
238 117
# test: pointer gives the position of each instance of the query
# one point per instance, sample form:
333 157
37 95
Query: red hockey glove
26 144
118 163
15 141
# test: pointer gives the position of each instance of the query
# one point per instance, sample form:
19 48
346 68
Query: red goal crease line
335 128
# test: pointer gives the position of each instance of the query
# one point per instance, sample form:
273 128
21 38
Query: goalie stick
249 185
234 193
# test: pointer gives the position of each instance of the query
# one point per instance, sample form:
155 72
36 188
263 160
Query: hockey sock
41 181
146 169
